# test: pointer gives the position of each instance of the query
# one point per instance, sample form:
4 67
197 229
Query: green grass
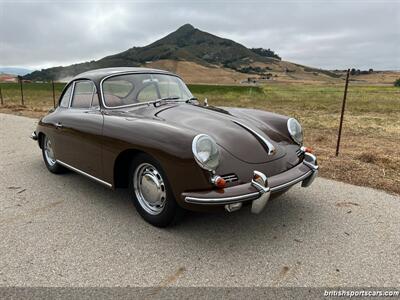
225 89
35 94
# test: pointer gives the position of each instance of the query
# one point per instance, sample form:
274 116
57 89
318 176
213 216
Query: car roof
98 74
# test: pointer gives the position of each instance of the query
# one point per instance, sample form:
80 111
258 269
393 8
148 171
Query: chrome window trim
131 73
69 85
72 94
84 173
271 148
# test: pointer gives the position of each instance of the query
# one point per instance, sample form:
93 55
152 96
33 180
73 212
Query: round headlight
295 130
205 151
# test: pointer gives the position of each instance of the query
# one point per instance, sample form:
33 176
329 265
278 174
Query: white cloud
334 34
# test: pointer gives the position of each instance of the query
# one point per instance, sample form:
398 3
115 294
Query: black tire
53 167
170 212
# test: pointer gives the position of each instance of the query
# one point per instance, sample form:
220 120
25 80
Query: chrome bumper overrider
261 189
34 136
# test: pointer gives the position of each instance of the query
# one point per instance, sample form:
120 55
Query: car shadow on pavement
280 216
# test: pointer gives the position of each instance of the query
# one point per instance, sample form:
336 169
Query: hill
15 71
202 53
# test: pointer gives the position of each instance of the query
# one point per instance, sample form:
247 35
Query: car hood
221 125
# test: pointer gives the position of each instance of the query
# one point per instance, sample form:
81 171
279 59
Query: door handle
59 125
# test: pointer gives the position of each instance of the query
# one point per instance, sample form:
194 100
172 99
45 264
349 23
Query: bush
266 52
397 82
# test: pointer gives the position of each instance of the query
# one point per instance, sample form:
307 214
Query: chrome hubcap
149 188
48 152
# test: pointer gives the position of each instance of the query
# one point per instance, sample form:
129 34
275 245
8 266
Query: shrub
265 52
397 82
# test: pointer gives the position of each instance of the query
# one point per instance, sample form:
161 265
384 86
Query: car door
54 130
80 128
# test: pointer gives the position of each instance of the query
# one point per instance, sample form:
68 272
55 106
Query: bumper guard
34 136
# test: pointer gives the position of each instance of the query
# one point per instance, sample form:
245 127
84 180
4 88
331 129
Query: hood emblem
264 142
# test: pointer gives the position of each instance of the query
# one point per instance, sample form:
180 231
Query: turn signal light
308 149
218 181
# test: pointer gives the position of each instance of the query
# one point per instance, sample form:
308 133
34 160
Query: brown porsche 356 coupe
142 128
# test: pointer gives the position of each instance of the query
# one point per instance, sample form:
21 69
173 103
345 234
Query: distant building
8 78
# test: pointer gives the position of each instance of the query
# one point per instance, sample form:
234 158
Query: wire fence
30 94
370 119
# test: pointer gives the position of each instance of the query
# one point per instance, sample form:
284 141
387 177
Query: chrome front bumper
260 188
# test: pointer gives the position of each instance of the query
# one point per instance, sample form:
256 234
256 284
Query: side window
95 100
83 94
65 98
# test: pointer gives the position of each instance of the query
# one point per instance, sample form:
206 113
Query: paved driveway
66 230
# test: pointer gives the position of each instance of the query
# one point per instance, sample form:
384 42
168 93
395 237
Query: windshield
122 90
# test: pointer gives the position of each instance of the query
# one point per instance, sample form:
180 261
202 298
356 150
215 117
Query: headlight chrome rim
196 155
293 134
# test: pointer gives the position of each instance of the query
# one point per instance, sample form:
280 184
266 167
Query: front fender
168 144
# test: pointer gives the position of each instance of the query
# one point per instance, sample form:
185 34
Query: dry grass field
370 152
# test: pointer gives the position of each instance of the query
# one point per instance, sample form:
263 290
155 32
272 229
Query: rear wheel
49 157
151 192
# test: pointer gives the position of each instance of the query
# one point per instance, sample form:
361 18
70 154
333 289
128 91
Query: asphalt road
66 230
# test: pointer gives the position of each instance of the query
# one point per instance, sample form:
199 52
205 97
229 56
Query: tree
397 82
265 52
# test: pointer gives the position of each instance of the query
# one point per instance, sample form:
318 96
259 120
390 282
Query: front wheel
151 192
49 158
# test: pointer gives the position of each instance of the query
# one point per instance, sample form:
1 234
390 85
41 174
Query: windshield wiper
191 99
164 100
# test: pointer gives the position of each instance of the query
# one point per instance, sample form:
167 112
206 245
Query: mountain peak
179 36
186 27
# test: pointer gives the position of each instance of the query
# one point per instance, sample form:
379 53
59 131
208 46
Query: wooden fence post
54 94
342 113
1 97
22 91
